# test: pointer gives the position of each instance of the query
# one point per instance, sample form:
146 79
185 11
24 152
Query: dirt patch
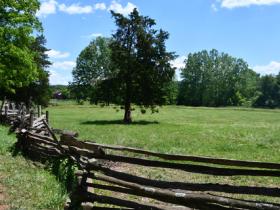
3 199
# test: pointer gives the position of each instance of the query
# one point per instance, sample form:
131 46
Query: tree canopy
131 67
17 25
216 79
269 92
38 90
141 61
93 69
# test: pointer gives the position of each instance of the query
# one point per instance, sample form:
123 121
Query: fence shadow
118 122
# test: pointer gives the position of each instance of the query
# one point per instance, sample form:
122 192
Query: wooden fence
106 173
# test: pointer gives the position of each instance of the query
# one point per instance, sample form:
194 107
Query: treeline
211 79
218 79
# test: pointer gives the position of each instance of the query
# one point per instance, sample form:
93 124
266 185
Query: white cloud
63 65
179 62
58 54
230 4
75 9
272 68
118 8
47 8
61 72
100 6
93 35
57 78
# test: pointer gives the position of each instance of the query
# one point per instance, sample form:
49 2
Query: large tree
38 90
18 23
141 62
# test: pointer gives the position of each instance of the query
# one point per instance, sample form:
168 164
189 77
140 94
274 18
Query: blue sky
248 29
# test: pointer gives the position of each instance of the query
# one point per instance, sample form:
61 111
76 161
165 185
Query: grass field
239 133
252 134
26 186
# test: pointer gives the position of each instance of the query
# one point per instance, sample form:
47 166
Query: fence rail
99 182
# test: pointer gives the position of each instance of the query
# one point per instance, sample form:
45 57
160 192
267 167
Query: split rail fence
104 185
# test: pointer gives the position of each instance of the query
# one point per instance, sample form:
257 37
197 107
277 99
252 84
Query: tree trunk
127 113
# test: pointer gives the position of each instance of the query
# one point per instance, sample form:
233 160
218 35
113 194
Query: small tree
141 62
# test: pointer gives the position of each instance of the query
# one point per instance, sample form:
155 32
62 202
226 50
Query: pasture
237 133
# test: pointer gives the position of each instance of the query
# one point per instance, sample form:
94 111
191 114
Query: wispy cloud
58 54
272 68
214 7
60 72
93 35
100 6
178 63
52 6
124 10
64 65
75 9
47 7
231 4
59 78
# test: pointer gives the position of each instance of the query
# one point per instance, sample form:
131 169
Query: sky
247 29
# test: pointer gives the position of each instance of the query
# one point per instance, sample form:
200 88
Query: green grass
27 187
239 133
251 134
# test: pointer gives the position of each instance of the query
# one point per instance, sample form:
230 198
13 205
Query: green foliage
17 24
269 88
172 91
37 90
216 79
64 170
141 62
93 72
64 92
132 67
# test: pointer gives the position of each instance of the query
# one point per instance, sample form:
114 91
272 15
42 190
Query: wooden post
39 110
6 111
31 119
47 117
2 105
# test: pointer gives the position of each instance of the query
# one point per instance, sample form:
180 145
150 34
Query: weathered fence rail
100 183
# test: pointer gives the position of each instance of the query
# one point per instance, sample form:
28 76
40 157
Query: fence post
31 119
47 117
39 110
2 105
6 111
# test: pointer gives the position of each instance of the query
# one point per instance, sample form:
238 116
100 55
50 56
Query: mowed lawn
248 134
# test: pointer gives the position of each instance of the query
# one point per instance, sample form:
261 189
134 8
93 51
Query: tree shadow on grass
118 122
